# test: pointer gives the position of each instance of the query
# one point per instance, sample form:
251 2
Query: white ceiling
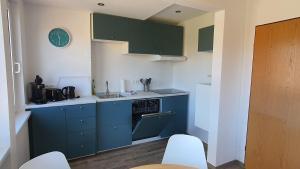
139 9
169 15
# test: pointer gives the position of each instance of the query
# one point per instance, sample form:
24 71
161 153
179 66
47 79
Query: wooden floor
125 158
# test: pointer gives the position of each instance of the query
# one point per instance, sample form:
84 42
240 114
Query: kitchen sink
109 96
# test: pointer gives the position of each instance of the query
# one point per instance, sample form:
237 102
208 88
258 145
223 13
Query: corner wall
197 69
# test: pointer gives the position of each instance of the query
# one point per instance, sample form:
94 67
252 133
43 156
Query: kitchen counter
94 99
141 95
81 100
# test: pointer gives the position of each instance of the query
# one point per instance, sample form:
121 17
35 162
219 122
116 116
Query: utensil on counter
146 83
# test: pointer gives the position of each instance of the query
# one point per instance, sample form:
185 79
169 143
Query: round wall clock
59 37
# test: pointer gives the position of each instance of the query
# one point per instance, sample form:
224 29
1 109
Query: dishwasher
147 119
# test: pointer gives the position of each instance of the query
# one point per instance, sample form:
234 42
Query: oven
147 119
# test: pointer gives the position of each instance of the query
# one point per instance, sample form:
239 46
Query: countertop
95 99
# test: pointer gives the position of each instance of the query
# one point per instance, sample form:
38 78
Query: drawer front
81 143
74 125
80 111
117 112
111 136
81 137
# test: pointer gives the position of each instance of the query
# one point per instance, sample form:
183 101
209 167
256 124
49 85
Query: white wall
197 69
258 12
50 62
22 146
6 163
110 63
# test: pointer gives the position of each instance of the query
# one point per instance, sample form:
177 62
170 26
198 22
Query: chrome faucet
107 90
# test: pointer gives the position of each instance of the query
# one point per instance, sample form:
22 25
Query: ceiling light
100 4
178 11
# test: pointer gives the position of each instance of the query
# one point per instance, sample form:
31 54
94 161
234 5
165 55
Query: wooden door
273 140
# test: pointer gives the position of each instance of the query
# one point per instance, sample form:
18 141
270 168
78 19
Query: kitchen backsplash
110 64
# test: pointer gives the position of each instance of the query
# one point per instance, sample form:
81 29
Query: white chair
53 160
185 150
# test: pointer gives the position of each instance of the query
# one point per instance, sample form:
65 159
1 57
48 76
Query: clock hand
58 36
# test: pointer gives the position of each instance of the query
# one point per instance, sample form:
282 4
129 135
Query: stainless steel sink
109 96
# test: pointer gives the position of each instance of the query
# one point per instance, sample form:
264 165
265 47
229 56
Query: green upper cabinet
206 39
144 37
172 43
109 27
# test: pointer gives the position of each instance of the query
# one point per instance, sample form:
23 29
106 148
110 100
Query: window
6 79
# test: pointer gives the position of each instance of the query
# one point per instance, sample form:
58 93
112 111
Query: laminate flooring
128 157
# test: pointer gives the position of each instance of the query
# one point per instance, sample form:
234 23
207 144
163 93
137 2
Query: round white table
162 166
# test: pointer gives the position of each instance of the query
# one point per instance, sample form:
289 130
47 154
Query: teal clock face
59 37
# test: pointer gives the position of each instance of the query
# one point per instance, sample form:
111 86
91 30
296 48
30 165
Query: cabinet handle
80 107
81 121
62 109
18 66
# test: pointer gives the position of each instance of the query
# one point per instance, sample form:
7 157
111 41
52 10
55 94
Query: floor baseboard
235 162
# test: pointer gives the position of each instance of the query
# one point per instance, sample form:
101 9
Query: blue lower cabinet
68 129
47 128
178 123
114 128
81 124
82 143
80 111
81 130
114 136
114 112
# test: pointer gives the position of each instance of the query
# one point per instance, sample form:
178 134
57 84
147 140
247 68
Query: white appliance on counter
202 105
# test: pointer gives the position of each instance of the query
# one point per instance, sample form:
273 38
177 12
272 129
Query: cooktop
168 91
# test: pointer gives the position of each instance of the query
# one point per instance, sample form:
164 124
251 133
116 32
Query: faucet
107 90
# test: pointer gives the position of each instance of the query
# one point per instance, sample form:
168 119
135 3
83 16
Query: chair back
185 150
52 160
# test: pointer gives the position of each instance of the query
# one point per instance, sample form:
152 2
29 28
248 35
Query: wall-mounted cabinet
144 37
206 39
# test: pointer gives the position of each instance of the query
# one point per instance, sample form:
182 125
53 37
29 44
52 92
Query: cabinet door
80 111
143 38
170 40
115 112
206 39
114 136
178 123
114 124
81 143
155 38
47 130
109 27
81 129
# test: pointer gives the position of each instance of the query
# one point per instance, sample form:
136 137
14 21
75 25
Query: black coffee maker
37 91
